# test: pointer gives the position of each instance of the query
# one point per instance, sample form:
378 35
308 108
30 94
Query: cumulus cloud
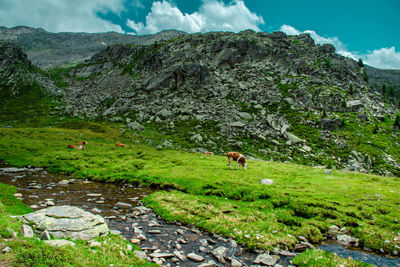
58 16
384 58
212 15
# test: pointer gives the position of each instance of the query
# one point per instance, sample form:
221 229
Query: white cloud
212 15
384 58
58 16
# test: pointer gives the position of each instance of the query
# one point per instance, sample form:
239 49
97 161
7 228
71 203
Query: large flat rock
67 222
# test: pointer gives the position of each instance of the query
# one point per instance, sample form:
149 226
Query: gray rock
140 254
13 169
179 255
236 263
197 138
123 205
293 139
245 115
12 232
68 222
194 257
45 235
220 254
237 124
347 240
26 231
209 263
265 259
165 113
161 255
59 243
266 181
6 250
135 126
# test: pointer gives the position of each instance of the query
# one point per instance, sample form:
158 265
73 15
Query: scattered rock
161 255
26 231
140 254
45 235
195 257
266 181
123 205
6 250
59 243
220 254
209 263
266 259
179 255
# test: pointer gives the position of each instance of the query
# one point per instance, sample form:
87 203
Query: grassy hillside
302 200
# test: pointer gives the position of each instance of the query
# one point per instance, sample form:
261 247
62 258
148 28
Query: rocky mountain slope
46 49
270 96
389 78
274 96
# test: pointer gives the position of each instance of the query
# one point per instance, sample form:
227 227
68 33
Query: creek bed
124 212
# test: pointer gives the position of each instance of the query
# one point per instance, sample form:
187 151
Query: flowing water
121 206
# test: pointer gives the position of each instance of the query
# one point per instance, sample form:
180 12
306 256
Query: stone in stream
94 195
220 254
161 255
266 259
194 257
236 263
18 195
140 254
179 255
123 205
210 263
67 222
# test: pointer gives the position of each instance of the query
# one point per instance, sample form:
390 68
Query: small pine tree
366 78
391 92
397 121
360 63
351 91
324 113
383 89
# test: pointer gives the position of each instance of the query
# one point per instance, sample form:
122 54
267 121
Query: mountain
268 95
388 78
46 49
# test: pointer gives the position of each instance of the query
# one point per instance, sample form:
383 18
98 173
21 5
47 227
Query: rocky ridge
46 49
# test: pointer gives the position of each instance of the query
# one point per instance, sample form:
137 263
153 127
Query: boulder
59 243
135 126
26 231
67 222
266 259
266 181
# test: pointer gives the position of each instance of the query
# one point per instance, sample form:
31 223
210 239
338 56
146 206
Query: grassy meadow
33 252
206 193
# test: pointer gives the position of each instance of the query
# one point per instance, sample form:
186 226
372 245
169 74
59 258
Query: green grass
302 200
33 252
318 257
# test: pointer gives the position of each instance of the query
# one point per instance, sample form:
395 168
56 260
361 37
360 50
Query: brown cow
208 153
118 144
236 156
81 145
71 146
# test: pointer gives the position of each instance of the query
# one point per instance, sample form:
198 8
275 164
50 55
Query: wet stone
194 257
266 259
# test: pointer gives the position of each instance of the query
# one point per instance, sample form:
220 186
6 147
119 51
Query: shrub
43 256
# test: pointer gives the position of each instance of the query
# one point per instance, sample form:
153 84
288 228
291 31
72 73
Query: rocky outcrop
67 222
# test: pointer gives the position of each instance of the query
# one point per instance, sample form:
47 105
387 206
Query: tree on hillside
396 124
383 90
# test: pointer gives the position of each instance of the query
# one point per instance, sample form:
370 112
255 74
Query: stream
120 205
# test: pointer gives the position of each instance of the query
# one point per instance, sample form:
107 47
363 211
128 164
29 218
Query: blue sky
359 29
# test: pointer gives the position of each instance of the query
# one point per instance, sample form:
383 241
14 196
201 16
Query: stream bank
169 244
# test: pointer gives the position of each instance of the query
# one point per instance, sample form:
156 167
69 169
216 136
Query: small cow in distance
208 153
118 144
236 156
80 146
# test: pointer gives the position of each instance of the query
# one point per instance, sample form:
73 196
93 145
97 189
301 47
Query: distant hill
380 77
46 49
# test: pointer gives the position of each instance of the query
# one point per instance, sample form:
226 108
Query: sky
366 29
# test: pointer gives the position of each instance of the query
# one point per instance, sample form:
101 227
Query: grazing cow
236 156
118 144
81 145
208 153
71 146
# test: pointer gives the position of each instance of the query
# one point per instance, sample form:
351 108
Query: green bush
43 256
